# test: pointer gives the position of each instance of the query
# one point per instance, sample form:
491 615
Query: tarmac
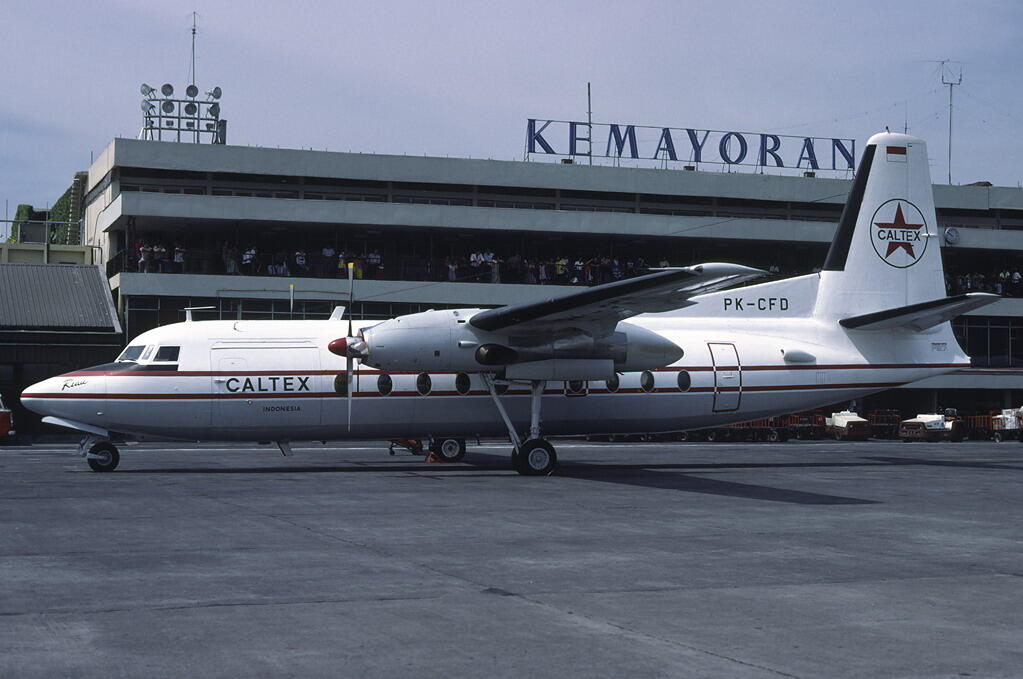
799 559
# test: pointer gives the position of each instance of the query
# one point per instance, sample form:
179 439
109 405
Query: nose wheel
533 456
103 457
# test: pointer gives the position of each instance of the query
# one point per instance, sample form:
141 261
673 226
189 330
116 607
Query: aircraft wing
604 305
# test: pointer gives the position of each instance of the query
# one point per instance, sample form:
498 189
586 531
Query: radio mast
950 78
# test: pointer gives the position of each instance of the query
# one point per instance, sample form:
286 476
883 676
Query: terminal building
256 233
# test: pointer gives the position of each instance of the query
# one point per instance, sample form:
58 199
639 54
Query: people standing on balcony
561 271
249 261
372 263
159 263
327 263
301 267
281 263
145 257
179 258
452 268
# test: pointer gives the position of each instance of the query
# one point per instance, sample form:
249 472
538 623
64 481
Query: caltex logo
898 232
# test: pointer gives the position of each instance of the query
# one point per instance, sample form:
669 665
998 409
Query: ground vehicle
1006 425
933 427
6 423
846 425
884 424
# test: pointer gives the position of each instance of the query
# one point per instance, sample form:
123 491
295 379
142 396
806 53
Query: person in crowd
371 264
451 264
280 261
327 266
145 257
249 260
301 263
179 258
561 270
495 268
159 264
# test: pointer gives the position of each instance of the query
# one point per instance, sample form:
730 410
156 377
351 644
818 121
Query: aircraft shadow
966 464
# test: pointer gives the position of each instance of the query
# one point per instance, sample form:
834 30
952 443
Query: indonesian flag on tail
896 154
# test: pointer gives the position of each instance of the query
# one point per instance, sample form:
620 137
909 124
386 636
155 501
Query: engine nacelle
444 341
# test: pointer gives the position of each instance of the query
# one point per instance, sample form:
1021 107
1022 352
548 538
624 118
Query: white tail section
886 252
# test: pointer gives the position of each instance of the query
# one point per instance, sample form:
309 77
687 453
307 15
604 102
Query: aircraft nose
71 395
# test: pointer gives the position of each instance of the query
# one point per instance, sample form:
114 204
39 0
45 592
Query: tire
448 450
684 436
536 457
997 437
774 436
712 436
109 457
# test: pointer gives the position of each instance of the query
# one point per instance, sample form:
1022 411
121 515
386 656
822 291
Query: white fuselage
275 380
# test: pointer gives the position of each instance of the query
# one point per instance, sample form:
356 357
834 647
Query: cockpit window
147 353
169 354
131 353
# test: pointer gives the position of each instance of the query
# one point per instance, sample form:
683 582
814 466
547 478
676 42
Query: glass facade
990 341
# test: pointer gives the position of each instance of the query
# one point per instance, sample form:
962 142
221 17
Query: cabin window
684 381
612 384
341 384
131 353
646 381
462 384
384 384
168 354
424 384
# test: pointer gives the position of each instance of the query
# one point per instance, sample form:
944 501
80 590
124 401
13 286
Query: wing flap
920 316
609 303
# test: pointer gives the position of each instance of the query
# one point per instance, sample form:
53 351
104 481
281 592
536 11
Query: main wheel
997 437
536 457
448 450
106 458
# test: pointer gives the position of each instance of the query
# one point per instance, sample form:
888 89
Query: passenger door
727 376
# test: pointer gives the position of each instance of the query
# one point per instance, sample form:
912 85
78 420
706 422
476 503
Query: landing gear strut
533 456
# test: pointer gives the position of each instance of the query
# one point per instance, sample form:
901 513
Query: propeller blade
349 385
351 295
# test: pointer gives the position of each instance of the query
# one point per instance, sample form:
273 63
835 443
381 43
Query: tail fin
886 252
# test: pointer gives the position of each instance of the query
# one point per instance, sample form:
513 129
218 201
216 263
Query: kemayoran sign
691 146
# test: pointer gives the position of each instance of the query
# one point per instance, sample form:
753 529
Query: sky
461 78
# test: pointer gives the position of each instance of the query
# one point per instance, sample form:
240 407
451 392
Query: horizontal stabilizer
920 316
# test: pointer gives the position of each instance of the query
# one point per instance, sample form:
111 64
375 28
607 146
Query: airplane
676 349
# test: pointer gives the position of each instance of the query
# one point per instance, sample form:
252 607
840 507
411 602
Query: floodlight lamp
215 93
210 126
169 123
191 108
191 90
167 89
146 90
147 107
189 124
215 110
167 106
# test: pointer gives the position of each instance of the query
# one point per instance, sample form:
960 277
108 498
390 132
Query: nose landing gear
534 456
102 456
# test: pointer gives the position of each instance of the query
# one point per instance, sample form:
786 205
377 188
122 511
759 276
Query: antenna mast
589 120
951 80
191 80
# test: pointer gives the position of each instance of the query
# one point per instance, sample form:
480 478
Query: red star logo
899 223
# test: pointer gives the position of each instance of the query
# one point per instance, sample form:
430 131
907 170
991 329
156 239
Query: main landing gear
101 454
533 456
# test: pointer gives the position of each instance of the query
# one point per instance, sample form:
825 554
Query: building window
613 383
384 384
424 384
646 381
684 381
462 384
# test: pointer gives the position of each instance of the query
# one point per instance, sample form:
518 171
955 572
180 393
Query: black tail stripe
839 250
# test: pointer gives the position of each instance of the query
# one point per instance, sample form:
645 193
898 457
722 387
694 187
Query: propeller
351 346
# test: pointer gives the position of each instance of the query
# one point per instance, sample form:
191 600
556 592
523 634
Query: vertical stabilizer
886 252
